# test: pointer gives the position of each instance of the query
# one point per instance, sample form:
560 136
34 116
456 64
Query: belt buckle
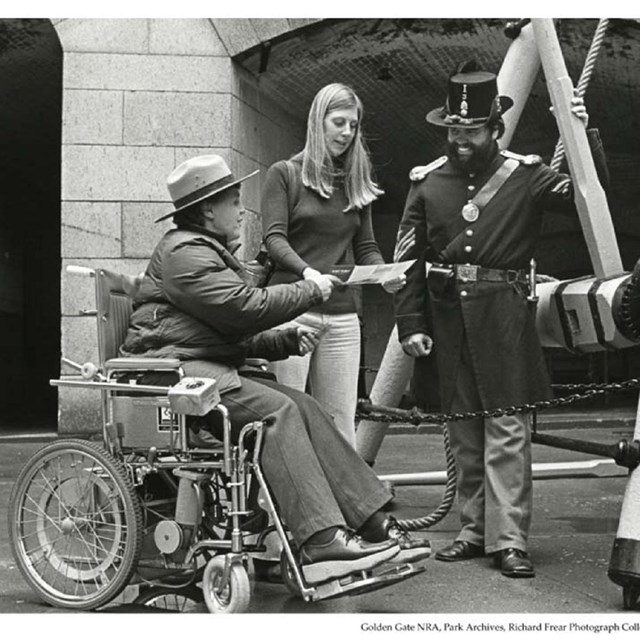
512 276
467 272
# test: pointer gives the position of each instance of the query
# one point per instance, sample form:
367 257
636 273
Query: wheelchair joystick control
88 370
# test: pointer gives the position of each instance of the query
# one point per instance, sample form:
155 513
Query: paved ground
574 525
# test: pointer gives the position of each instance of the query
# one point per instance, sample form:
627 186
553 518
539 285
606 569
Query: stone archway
31 114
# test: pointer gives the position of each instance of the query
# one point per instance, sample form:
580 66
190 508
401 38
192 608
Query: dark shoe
460 550
346 553
411 549
514 563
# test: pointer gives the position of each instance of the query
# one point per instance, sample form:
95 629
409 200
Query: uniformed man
475 215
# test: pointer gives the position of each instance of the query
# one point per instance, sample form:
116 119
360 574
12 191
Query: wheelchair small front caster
232 598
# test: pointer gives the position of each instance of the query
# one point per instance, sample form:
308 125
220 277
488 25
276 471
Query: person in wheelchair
193 304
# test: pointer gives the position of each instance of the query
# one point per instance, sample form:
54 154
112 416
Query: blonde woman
316 214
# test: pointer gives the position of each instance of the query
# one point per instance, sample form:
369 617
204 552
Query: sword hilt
532 297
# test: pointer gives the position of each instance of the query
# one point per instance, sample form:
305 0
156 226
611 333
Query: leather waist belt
475 273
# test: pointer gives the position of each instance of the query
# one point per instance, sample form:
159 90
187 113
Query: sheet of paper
377 273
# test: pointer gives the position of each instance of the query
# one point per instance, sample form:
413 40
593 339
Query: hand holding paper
372 274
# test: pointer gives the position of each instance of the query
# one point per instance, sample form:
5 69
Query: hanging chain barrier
577 392
380 413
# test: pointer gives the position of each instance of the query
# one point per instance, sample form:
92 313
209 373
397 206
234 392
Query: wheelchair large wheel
75 525
182 600
235 597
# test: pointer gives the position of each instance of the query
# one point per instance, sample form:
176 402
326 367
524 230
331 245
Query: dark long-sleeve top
492 317
317 233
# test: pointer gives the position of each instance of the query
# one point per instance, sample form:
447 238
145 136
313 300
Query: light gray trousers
493 466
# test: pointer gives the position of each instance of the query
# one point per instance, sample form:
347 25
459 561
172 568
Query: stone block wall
140 96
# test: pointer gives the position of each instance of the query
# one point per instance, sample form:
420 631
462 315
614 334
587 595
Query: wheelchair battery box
146 421
194 396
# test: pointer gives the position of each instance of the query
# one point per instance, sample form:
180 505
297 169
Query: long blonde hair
317 164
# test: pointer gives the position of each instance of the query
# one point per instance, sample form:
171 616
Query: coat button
469 232
468 248
471 187
463 294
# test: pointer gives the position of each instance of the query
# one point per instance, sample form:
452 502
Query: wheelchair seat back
114 307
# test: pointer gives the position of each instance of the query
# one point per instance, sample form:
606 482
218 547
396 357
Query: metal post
540 471
624 565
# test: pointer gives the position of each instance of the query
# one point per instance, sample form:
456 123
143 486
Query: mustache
481 154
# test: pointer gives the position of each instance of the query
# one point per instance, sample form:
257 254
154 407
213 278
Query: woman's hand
395 284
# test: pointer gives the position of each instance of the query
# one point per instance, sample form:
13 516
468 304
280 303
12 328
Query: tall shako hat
472 101
199 178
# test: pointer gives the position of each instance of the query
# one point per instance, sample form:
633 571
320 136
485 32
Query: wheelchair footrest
325 571
365 582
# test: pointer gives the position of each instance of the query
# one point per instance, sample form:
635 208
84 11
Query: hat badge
464 105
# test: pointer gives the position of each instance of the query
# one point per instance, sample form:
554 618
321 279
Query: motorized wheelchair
144 506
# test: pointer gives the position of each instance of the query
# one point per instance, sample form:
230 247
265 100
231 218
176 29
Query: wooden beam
591 201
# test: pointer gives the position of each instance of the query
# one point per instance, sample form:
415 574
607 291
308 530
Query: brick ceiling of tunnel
400 69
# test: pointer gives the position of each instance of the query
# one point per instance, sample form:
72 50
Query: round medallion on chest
470 212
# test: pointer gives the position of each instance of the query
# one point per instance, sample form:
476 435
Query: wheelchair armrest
256 362
256 368
142 364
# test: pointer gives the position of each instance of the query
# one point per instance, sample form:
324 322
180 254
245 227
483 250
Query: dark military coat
493 317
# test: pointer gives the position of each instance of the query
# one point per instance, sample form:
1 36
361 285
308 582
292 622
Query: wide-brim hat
472 101
199 178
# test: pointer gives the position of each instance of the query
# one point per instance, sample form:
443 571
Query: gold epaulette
419 173
531 159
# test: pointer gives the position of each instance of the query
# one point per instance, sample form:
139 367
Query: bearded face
471 149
